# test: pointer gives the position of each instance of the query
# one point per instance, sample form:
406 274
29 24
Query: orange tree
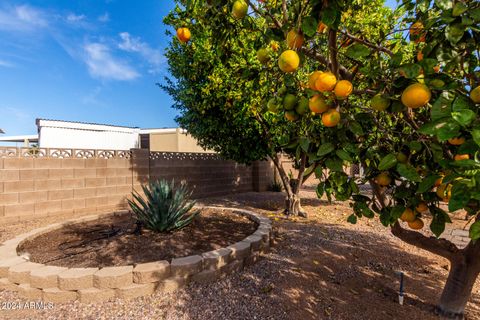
241 90
395 92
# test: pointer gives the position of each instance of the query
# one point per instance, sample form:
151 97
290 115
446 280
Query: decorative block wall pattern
45 182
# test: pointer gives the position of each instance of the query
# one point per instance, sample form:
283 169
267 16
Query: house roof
31 138
39 120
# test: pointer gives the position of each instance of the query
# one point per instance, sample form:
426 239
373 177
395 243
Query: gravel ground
320 268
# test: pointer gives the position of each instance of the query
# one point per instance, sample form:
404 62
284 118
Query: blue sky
83 60
94 61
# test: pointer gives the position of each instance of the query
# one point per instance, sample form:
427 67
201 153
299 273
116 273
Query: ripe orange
291 116
438 181
331 118
436 69
312 79
408 215
475 94
416 95
456 141
461 157
383 179
288 61
317 104
419 55
183 34
444 191
416 28
294 39
239 10
322 27
421 38
326 82
343 89
416 224
422 207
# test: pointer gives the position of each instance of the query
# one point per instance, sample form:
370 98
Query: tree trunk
464 271
292 200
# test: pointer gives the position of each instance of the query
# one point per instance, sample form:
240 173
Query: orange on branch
408 215
322 27
312 79
475 94
294 39
291 115
419 55
184 35
422 207
456 141
239 9
288 61
330 118
326 82
416 224
343 89
459 157
383 179
416 95
318 104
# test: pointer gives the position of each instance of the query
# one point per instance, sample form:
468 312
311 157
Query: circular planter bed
97 258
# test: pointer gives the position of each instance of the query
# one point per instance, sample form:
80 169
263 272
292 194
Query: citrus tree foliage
411 119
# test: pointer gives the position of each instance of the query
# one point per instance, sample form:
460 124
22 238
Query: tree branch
441 247
332 48
301 170
367 43
275 20
344 73
285 12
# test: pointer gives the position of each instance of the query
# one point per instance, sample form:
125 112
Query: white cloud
104 17
22 18
6 64
75 18
102 64
132 44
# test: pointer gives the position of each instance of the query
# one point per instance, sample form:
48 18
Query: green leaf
438 225
342 154
389 161
461 103
476 136
331 17
464 117
362 209
441 108
309 26
460 197
408 172
412 70
454 32
474 232
334 164
320 190
459 8
304 143
356 128
444 4
415 146
352 219
427 183
475 14
325 148
448 130
357 51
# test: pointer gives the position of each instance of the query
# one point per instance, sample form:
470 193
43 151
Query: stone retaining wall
58 284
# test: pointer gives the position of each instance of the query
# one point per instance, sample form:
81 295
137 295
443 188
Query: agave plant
165 206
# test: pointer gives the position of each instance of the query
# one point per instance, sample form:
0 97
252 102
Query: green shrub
165 206
275 186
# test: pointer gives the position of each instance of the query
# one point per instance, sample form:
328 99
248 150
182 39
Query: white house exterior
79 135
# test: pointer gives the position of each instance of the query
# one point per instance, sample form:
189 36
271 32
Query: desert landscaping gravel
320 268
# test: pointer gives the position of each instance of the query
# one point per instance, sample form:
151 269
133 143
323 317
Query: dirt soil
320 268
111 241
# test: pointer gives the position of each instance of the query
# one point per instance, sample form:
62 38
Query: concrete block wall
32 187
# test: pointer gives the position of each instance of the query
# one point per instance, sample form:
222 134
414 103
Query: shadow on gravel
325 271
